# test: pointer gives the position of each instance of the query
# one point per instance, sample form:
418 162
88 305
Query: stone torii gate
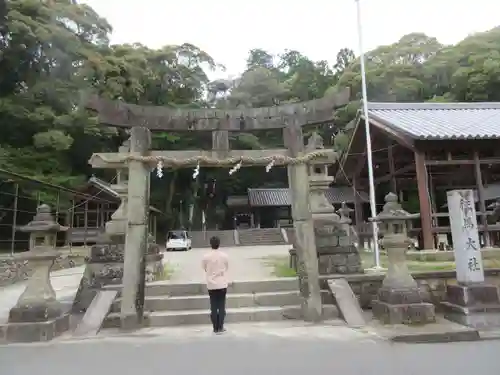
141 160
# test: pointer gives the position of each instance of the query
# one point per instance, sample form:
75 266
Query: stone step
166 288
234 315
201 302
270 236
190 317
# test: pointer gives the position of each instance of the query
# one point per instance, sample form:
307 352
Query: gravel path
245 263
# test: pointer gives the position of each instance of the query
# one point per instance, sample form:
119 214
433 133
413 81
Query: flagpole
373 207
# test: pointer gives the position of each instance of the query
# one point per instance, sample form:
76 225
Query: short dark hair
215 242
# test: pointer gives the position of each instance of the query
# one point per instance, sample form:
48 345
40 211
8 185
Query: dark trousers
217 308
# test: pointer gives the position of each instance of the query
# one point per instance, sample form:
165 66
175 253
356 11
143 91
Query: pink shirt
215 263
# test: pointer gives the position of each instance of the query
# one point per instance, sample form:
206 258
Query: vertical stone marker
466 245
471 302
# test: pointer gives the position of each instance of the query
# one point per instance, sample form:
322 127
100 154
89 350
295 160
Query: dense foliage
53 52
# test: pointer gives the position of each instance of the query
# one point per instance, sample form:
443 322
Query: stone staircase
170 304
201 239
262 236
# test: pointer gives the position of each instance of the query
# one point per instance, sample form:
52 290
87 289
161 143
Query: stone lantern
38 316
345 221
399 300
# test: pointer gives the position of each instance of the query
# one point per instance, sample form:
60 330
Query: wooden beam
401 139
112 160
461 162
387 177
425 204
392 169
358 207
480 193
125 115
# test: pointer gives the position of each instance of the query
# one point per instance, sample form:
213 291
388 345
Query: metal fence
19 198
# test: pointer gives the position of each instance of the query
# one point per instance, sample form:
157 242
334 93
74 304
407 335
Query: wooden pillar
358 212
432 196
392 169
98 215
14 221
85 221
358 205
425 204
154 227
482 204
104 217
58 203
69 233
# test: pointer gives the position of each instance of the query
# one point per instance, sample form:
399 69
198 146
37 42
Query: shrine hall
422 150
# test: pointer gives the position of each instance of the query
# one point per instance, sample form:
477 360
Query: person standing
215 264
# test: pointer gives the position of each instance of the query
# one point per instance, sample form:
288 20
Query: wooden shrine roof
280 197
438 121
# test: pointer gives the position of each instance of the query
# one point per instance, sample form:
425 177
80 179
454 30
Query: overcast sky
228 29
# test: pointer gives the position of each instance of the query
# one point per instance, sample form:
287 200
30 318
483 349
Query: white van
178 240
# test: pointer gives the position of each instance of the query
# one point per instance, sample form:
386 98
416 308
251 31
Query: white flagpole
373 207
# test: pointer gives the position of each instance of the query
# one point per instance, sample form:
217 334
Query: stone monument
335 244
399 300
38 316
105 263
471 301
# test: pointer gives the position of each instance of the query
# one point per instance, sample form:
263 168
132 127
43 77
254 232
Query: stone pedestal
335 243
399 300
105 267
472 302
336 251
474 305
37 315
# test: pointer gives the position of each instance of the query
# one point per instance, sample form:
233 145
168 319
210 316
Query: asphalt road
225 355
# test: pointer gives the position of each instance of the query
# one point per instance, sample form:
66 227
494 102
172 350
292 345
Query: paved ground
245 263
250 349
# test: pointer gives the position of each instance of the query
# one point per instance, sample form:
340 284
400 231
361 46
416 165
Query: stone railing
432 283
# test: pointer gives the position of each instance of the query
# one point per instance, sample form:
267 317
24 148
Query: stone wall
13 271
448 256
432 283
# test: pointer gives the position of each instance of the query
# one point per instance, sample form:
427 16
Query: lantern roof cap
43 222
393 211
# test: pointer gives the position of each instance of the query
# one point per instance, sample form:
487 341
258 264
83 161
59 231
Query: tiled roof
103 185
440 121
106 186
281 197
